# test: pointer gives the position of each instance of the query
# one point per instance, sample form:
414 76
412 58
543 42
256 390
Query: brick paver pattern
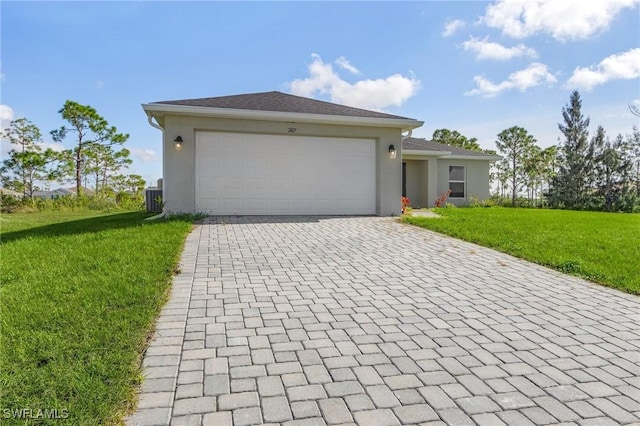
367 321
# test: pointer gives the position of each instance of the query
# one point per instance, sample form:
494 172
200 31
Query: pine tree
514 145
29 164
614 173
572 186
90 129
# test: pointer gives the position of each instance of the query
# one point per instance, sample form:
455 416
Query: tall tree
128 189
102 162
29 163
629 152
90 129
605 160
533 172
570 188
614 168
455 138
514 144
633 146
549 158
135 184
502 177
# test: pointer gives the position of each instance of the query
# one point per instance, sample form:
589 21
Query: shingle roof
419 144
280 102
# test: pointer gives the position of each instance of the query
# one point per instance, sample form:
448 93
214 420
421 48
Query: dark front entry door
404 179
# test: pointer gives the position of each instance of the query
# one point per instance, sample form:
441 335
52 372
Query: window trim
463 181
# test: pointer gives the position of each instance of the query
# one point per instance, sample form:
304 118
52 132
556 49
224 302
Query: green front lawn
78 298
601 247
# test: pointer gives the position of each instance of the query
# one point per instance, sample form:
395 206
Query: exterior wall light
178 141
392 152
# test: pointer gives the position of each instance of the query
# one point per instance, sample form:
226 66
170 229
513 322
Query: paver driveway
364 320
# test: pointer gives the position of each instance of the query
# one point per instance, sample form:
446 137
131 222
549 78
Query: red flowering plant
442 199
405 204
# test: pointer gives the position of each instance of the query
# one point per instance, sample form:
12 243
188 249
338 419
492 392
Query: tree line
95 162
583 173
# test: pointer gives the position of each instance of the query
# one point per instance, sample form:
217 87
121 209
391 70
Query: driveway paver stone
367 321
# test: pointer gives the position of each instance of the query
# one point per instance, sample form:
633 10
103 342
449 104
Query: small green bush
9 204
477 202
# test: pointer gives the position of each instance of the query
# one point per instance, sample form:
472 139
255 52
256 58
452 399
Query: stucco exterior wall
418 183
476 179
179 164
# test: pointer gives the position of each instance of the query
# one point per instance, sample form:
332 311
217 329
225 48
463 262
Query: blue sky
476 67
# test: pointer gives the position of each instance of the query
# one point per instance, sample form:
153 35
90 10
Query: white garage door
244 174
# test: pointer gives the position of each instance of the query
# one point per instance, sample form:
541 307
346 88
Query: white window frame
463 181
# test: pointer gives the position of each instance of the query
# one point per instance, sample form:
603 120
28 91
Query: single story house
430 169
61 192
278 154
53 194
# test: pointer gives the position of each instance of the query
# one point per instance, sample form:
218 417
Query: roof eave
426 153
475 157
448 155
158 111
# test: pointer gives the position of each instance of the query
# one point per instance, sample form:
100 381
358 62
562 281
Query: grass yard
601 247
78 298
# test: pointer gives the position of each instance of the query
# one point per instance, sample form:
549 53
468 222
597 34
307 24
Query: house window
457 181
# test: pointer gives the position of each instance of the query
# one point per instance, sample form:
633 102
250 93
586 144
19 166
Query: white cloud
451 27
343 63
6 115
369 94
55 146
144 155
621 66
562 19
486 49
534 75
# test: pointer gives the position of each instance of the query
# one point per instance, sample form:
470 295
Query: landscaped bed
601 247
78 297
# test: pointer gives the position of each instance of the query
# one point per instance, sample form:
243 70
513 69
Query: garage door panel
357 205
268 174
301 205
217 188
255 167
232 204
208 188
256 187
299 169
279 204
257 204
278 189
212 203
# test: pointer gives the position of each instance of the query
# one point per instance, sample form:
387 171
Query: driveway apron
367 321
